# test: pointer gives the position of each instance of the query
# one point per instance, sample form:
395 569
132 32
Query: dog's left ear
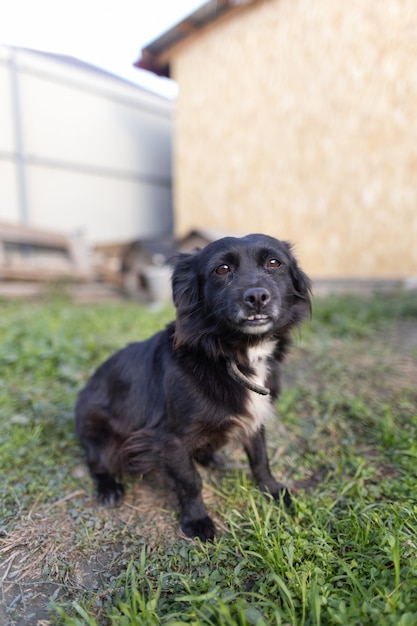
301 283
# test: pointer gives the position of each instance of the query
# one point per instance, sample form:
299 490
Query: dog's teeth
253 318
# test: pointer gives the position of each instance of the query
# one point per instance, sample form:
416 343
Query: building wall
299 118
94 151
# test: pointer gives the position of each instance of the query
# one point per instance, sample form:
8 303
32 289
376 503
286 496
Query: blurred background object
291 118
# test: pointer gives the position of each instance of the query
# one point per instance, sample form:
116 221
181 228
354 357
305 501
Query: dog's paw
282 495
203 529
109 492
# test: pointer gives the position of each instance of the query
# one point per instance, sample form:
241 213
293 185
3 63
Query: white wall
96 150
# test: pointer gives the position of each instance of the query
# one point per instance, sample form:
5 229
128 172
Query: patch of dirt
74 546
404 337
383 365
315 478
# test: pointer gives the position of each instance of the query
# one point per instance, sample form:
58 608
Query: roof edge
155 55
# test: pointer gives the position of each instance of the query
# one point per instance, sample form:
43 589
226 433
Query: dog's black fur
210 377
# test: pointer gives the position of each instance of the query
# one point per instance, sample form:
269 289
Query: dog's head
249 287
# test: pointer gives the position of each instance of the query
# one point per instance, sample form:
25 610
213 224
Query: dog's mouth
256 324
257 319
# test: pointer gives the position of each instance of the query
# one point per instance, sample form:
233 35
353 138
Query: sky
108 34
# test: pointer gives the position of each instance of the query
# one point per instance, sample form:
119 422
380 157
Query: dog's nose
257 297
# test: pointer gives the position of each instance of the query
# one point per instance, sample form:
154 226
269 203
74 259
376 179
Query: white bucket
158 279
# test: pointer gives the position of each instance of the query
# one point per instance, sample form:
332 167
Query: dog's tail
139 453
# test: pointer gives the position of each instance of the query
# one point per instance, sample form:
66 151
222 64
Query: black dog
208 378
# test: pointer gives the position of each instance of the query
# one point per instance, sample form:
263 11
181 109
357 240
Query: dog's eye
273 263
223 269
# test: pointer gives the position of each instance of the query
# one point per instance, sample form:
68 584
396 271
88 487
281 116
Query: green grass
47 351
347 442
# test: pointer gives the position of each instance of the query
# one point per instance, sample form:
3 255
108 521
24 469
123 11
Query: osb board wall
299 118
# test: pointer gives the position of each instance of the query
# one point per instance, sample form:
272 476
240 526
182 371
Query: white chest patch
259 408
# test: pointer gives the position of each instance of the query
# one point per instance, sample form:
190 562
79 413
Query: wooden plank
17 233
28 253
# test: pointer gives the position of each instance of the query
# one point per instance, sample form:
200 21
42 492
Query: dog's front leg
256 450
185 479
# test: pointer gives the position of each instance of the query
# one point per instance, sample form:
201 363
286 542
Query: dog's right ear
185 290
